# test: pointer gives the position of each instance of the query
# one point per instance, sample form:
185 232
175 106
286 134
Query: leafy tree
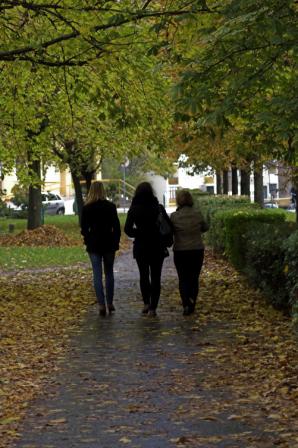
75 33
240 77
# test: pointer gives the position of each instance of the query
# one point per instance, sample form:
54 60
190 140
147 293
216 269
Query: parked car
52 204
270 205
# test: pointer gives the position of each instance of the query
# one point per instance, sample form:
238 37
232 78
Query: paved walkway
131 380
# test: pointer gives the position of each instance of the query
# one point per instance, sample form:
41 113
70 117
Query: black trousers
188 265
150 267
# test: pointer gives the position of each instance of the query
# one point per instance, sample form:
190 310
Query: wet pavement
131 380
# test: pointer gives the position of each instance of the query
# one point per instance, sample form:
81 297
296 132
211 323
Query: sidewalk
172 381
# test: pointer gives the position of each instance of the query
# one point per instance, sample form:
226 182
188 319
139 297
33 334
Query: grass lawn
12 258
16 258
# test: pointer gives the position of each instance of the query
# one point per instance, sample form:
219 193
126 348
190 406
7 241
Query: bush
210 203
228 230
291 269
258 242
265 260
3 208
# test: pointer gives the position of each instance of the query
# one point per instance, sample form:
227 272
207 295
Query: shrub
209 203
265 260
291 270
3 208
228 230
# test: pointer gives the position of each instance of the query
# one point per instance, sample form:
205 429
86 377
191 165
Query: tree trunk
78 193
218 182
234 181
225 182
89 176
245 183
34 204
258 187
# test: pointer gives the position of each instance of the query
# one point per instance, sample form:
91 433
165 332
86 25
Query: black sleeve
116 226
129 224
84 224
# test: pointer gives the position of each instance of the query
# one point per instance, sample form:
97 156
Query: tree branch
22 53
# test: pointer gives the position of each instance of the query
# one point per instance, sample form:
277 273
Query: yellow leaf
125 440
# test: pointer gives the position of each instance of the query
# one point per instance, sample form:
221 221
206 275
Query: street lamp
124 165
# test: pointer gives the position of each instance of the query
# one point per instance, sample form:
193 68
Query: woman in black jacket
148 249
100 228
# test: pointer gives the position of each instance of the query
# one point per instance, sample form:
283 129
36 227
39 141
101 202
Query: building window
272 187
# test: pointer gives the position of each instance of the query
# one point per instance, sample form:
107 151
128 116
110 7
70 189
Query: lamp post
124 165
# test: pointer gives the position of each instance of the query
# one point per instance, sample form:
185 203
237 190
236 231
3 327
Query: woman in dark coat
188 224
100 228
148 249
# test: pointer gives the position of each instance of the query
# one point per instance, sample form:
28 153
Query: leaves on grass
44 236
38 314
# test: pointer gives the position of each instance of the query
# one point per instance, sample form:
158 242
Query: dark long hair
144 193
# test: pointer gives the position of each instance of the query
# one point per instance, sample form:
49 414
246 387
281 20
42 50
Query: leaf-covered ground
225 377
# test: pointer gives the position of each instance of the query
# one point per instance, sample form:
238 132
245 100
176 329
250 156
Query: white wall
52 182
191 182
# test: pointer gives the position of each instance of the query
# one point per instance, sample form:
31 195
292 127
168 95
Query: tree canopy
76 32
241 78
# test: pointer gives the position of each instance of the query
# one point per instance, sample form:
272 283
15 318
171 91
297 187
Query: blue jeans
107 260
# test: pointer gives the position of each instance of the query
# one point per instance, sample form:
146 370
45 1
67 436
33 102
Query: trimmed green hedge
228 231
290 247
265 260
211 204
258 242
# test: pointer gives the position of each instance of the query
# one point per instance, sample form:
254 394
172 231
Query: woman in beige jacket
188 224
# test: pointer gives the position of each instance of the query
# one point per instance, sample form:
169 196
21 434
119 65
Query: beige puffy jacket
188 224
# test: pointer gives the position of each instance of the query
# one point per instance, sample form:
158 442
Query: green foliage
20 195
228 230
73 35
210 204
291 268
238 83
265 260
207 201
3 208
260 243
38 257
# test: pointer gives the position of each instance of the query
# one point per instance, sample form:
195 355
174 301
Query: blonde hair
183 197
96 192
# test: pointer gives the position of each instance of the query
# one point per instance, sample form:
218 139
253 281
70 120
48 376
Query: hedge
258 242
265 261
290 247
228 230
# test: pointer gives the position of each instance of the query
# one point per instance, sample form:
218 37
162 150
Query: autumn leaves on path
225 377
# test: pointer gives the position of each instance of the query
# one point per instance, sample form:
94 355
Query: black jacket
141 224
100 227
